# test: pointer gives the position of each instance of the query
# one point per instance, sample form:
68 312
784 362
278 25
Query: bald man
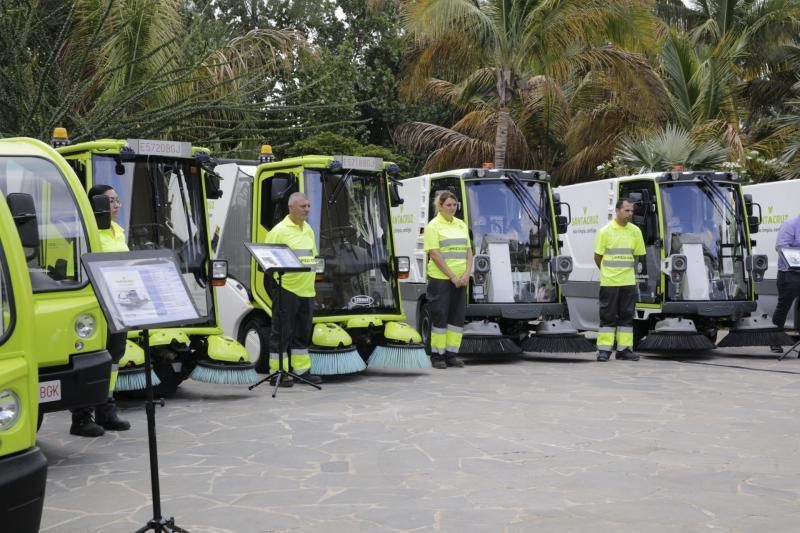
291 323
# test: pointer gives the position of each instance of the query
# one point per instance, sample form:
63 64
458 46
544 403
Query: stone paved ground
535 444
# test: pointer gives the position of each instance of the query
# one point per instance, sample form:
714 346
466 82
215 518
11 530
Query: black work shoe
286 381
626 355
83 425
311 378
454 361
106 416
439 363
776 349
603 356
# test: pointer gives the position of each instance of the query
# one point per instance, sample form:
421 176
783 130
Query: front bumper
82 383
22 483
512 311
731 309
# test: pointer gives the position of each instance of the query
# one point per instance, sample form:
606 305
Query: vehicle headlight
85 326
9 409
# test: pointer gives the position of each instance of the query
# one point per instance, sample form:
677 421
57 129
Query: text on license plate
49 391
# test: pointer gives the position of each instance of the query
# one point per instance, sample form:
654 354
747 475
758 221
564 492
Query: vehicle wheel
254 336
162 366
425 327
711 333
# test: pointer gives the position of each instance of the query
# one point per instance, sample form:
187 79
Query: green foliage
328 143
671 146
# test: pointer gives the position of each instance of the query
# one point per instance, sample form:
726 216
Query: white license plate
49 391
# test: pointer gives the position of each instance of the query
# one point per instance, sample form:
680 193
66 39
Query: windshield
7 314
163 206
702 221
517 240
350 217
55 263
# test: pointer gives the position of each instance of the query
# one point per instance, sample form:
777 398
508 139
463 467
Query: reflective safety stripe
619 251
455 329
454 255
625 264
625 329
604 348
438 331
273 355
621 347
453 242
452 349
303 253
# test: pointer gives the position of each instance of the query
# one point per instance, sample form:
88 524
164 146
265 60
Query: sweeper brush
132 378
675 334
482 338
399 355
225 373
755 331
557 336
335 361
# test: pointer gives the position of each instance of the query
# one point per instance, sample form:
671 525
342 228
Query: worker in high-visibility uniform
615 249
105 415
447 243
292 309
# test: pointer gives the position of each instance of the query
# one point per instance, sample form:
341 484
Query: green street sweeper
357 312
163 187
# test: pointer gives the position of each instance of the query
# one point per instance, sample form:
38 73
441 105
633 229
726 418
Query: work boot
626 355
286 381
106 416
438 362
83 425
311 378
454 361
776 349
603 356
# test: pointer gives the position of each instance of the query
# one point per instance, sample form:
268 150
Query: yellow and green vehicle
69 344
23 467
358 319
163 186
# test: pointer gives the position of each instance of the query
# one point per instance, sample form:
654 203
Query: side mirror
23 210
394 195
562 223
218 272
753 223
101 207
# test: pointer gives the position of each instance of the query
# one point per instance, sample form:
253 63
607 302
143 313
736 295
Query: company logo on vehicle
402 219
585 220
776 219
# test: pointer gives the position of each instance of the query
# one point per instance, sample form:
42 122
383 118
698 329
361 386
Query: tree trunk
501 138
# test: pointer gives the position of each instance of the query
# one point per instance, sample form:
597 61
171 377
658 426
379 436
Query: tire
425 327
254 336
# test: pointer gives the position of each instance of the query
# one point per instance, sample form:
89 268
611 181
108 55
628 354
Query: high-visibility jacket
302 242
451 238
113 239
618 245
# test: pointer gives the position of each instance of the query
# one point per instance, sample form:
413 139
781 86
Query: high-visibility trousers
617 305
448 304
291 332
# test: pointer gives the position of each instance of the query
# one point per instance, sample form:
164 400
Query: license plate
49 391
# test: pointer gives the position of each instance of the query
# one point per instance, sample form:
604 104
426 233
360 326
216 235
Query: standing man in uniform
615 247
788 280
291 323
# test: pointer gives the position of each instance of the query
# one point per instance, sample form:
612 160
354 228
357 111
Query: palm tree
528 78
668 147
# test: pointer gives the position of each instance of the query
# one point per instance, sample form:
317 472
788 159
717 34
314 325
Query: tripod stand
793 348
157 523
281 374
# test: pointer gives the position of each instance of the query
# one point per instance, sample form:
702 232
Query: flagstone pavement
667 444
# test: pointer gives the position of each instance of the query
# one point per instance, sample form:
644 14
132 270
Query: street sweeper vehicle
514 224
780 202
163 187
56 223
699 271
23 466
357 314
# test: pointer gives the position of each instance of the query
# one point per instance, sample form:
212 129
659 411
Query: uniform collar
618 225
442 219
291 223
